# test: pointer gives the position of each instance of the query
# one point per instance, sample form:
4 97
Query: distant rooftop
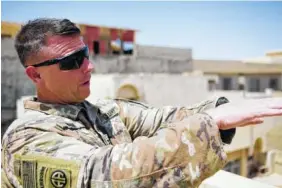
274 56
236 67
108 27
11 28
274 53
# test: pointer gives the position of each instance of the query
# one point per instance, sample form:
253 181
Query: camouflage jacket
111 143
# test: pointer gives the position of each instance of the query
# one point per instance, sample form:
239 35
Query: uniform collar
66 110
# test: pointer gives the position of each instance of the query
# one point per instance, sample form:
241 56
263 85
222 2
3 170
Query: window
128 48
120 47
96 47
227 84
212 85
241 82
254 84
241 87
116 46
273 83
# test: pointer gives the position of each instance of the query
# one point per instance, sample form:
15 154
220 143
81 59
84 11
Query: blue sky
214 30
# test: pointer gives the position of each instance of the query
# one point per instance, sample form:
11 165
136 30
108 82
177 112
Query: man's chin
84 95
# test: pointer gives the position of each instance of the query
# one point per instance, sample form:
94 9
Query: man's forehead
58 46
57 39
63 44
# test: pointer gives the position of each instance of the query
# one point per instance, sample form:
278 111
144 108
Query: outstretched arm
182 154
143 120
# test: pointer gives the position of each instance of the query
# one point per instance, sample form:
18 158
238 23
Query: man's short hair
32 35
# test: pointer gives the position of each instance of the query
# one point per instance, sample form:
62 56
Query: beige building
254 75
251 78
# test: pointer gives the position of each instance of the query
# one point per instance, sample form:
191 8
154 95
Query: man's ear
33 74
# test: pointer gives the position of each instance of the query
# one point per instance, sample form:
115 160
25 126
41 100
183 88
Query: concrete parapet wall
137 64
147 60
164 52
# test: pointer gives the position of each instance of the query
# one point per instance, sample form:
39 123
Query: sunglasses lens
68 64
86 53
74 61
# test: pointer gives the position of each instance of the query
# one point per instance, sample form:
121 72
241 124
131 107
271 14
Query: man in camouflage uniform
64 141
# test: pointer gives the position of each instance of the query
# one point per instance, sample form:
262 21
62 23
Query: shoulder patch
42 171
108 108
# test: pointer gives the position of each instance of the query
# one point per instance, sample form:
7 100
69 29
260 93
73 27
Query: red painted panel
114 34
128 36
91 34
103 47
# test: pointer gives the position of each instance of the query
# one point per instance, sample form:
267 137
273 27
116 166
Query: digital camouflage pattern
111 143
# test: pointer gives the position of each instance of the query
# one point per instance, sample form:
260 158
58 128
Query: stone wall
14 82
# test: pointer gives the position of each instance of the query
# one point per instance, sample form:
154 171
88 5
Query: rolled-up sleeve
182 154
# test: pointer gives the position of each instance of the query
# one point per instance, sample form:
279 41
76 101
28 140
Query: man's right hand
245 112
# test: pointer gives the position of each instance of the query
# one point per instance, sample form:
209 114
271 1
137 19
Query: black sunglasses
70 62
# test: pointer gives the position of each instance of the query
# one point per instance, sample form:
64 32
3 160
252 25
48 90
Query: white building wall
155 89
101 86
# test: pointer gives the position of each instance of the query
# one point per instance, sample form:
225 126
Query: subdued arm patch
41 171
53 177
29 173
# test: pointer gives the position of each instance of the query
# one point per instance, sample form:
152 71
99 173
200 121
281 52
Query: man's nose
89 67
